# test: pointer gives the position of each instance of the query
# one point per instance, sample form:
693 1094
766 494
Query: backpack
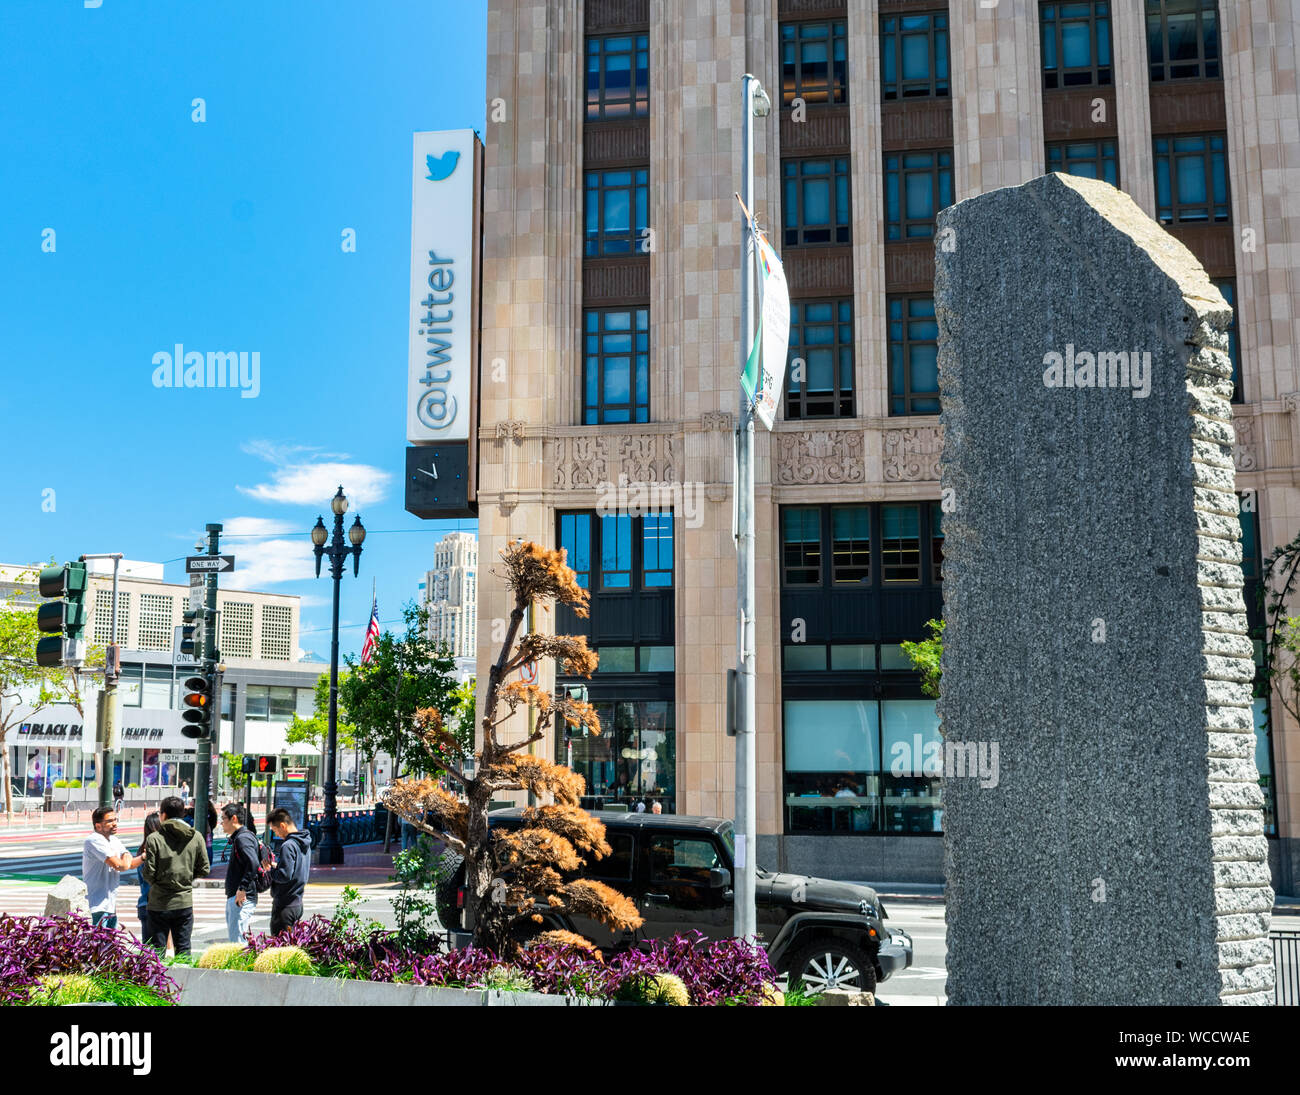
263 868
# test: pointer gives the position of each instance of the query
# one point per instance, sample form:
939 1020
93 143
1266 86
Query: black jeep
679 872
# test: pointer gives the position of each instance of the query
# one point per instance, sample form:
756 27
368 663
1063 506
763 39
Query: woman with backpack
152 824
242 881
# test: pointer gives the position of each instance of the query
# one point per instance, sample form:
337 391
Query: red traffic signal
266 765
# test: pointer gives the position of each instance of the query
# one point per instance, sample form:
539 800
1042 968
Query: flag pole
744 923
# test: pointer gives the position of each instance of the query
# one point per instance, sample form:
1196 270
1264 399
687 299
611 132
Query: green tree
315 730
925 656
23 683
404 675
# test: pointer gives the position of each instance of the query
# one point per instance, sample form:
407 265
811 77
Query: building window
575 538
1228 287
1183 39
630 549
616 366
913 356
850 545
936 541
237 629
917 186
819 372
617 216
914 56
618 77
257 703
801 546
282 703
1076 44
815 204
814 63
900 543
103 630
277 632
1192 179
1087 159
615 551
657 549
154 631
157 692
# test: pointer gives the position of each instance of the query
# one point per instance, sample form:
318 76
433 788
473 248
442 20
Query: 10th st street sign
197 564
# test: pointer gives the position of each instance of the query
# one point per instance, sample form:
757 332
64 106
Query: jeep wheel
832 964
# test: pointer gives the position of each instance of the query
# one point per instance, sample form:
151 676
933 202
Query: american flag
372 633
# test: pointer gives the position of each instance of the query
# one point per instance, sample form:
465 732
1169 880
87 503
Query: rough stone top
1123 214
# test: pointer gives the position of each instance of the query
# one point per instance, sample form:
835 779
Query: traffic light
197 707
192 632
64 619
266 766
248 764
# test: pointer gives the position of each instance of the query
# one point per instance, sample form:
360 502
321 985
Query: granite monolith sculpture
1096 648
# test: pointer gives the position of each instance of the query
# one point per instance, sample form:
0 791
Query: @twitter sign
442 361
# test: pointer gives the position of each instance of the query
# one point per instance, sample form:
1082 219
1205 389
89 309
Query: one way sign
197 564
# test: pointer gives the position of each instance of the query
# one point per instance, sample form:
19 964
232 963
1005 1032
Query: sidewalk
363 865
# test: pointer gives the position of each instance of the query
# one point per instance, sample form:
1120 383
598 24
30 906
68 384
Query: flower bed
64 959
684 970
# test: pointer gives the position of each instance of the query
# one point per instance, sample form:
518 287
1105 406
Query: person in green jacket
174 857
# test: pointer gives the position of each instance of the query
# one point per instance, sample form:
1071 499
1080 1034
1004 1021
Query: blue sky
221 235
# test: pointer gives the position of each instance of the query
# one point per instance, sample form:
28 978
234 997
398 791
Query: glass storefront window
831 765
913 766
633 759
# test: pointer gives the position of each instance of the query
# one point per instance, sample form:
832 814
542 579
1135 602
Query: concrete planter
218 988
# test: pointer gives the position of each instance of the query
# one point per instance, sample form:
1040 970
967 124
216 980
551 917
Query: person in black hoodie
291 870
241 875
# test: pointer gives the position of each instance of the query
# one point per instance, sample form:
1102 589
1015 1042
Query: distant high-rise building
451 593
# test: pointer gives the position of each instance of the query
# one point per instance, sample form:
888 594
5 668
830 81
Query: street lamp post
331 851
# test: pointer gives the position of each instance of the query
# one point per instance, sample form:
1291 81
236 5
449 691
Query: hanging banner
764 373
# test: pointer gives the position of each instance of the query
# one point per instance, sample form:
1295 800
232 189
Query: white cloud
260 563
313 484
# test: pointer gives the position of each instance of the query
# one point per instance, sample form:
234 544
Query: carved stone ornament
1245 451
820 456
584 463
913 455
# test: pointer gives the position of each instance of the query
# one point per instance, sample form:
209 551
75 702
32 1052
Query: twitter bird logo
441 167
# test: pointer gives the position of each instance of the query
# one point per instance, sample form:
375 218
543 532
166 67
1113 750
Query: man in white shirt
103 859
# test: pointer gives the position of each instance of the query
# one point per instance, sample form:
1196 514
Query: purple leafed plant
725 971
329 945
32 946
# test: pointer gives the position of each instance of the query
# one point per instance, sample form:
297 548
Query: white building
451 595
264 685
